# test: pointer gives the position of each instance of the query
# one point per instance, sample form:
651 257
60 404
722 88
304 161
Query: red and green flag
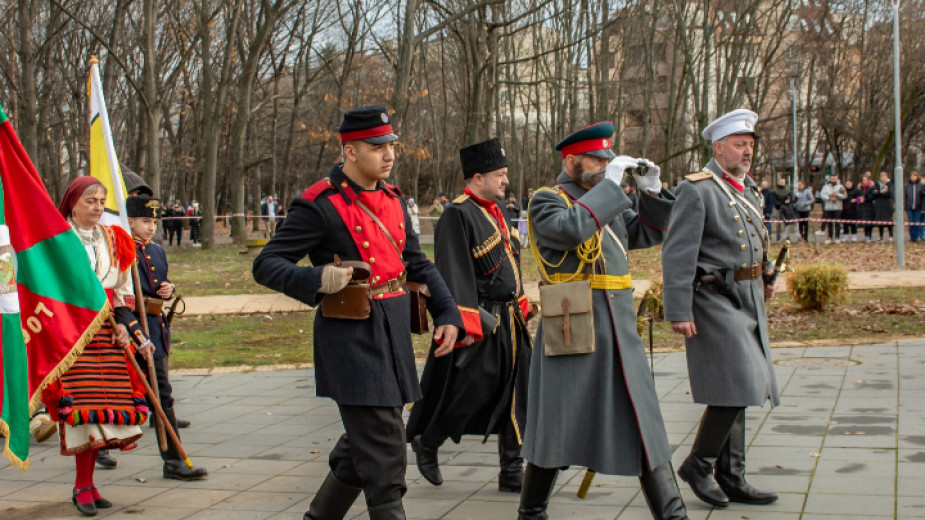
51 301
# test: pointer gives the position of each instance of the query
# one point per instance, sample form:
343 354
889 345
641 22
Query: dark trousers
194 232
175 231
161 372
834 228
371 454
804 225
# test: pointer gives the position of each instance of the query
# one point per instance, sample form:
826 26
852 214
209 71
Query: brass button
756 248
152 268
148 257
743 247
736 218
343 184
328 181
359 228
401 225
753 233
611 296
744 266
748 219
155 281
732 203
372 260
365 244
402 241
741 232
376 279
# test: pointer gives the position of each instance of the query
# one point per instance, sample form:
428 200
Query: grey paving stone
841 504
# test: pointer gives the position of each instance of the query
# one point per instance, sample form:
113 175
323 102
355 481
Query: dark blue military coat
152 268
357 362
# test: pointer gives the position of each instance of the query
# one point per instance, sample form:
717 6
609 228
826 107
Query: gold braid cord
587 252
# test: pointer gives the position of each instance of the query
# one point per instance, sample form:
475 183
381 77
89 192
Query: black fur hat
483 157
143 206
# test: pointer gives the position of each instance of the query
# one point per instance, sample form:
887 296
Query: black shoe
537 488
182 423
87 509
699 476
427 461
661 492
178 470
510 482
101 503
332 501
105 460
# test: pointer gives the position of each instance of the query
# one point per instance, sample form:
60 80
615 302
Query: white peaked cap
740 121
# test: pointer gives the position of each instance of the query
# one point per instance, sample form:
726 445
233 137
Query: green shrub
815 286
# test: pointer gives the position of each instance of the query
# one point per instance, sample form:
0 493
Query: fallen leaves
911 308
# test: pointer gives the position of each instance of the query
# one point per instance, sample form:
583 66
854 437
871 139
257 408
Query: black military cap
592 140
143 206
483 157
370 124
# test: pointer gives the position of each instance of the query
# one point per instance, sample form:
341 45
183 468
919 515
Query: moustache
592 178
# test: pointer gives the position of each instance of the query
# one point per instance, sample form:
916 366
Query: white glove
651 180
616 168
334 278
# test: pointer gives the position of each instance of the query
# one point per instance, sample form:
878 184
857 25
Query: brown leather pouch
568 318
353 301
418 294
154 306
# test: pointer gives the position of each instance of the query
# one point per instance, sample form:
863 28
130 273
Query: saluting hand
445 336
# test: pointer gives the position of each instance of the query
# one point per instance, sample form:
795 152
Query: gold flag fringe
71 357
17 463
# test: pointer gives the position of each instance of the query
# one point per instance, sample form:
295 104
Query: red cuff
472 323
524 304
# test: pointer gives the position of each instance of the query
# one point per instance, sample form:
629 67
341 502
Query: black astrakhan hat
143 206
483 157
370 124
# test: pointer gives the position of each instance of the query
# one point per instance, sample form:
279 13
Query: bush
815 286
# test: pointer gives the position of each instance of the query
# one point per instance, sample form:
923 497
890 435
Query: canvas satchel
568 318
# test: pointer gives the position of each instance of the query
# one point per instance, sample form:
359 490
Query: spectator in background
174 222
781 192
444 201
195 223
882 195
435 210
850 212
788 213
270 210
631 194
768 204
833 193
414 211
866 205
525 202
912 198
803 206
511 208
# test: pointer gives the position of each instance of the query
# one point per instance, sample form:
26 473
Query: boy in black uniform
482 387
143 212
364 358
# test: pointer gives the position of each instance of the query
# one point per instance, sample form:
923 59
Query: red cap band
585 146
366 133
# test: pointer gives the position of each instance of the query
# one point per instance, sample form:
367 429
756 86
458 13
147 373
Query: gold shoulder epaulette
698 176
460 199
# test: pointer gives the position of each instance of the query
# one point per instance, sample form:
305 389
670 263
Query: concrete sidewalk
277 302
847 442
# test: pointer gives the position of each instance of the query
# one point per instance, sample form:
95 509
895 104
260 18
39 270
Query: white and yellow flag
104 164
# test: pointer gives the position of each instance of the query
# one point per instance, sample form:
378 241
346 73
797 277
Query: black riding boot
174 465
390 511
332 501
661 491
697 469
537 488
426 457
730 469
511 477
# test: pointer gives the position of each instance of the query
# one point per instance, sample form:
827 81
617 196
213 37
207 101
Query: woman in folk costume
99 402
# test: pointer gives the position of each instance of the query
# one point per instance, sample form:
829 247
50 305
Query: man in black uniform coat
366 364
482 387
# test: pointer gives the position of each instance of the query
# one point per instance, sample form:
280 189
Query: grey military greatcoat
715 227
596 410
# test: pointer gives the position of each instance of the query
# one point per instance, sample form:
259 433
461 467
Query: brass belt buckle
394 285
